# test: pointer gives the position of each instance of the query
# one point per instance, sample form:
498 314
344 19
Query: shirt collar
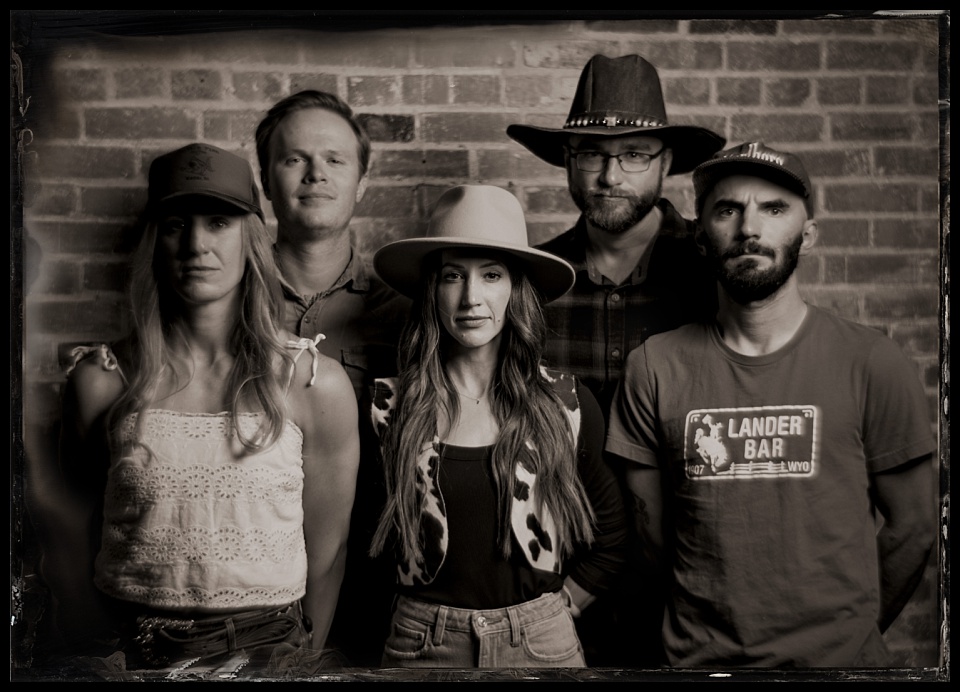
355 277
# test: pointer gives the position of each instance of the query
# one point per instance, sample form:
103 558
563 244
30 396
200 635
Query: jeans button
481 621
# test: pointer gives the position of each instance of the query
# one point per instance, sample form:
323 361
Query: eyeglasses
630 161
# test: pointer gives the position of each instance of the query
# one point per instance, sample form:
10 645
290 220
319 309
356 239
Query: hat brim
690 145
400 264
187 195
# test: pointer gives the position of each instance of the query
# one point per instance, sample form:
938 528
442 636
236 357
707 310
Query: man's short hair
303 100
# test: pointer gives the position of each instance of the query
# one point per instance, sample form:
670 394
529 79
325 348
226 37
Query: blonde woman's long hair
260 355
526 409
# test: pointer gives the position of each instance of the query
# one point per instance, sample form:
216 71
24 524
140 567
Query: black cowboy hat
620 96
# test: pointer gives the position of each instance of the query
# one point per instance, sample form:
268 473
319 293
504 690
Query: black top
475 574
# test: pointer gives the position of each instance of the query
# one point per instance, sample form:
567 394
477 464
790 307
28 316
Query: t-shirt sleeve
632 432
897 422
601 564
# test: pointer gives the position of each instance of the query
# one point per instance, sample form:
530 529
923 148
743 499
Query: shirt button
615 297
615 353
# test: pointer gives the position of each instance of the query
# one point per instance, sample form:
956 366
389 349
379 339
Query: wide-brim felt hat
199 172
481 217
617 97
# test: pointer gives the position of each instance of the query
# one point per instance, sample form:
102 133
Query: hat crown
618 92
479 214
204 170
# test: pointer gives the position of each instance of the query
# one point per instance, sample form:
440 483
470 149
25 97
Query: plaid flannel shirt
595 325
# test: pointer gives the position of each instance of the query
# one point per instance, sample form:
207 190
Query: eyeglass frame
575 155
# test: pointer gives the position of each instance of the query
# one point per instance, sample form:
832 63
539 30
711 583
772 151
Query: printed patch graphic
756 442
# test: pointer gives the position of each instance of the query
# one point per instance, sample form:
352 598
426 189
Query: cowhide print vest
535 530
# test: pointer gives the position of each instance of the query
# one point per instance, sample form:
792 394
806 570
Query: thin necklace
472 398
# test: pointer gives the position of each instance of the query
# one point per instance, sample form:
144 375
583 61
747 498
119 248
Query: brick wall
857 98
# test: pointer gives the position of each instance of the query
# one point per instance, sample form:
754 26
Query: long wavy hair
259 352
524 404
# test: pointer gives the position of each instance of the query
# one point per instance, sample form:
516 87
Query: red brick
301 81
917 337
479 89
82 84
431 163
93 317
140 123
875 56
686 91
774 128
841 301
193 85
106 276
142 82
738 91
529 91
930 201
57 278
886 90
788 92
907 160
926 90
549 200
834 269
55 199
881 268
83 237
258 86
839 91
467 52
464 127
387 128
909 232
113 202
846 162
425 89
373 91
517 163
782 56
870 198
901 302
840 233
87 162
387 201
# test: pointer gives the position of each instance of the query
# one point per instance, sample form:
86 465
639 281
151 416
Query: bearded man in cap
638 273
767 445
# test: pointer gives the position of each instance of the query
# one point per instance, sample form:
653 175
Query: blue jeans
536 634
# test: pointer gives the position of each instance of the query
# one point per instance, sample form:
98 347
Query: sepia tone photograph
474 346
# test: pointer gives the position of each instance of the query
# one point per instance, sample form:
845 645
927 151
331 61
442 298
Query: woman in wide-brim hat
502 516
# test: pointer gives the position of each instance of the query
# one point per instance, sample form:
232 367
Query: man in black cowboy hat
638 272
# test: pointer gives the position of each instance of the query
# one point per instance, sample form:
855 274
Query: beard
746 283
615 214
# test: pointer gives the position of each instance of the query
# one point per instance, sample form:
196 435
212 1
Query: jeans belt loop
231 634
440 626
514 626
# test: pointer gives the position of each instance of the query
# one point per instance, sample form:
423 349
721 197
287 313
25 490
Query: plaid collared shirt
596 324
